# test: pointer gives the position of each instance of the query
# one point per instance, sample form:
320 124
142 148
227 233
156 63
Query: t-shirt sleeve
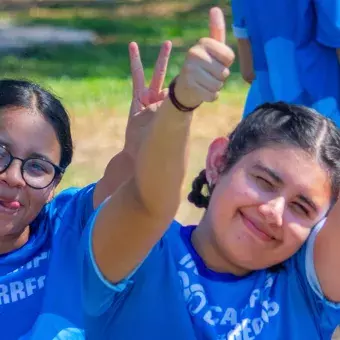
98 292
239 23
328 22
326 311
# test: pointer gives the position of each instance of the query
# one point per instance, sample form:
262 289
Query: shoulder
69 196
72 204
174 230
72 193
175 238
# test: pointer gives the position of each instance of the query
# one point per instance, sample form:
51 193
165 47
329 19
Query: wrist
180 97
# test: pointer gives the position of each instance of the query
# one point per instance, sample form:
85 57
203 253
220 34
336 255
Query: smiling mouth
254 230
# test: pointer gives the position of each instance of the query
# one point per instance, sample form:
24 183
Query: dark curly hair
280 124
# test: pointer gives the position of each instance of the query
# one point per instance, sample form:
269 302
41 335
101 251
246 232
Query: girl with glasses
39 233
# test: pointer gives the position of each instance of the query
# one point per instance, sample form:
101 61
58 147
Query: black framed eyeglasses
37 173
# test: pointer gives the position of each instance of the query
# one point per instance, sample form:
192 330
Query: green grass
91 77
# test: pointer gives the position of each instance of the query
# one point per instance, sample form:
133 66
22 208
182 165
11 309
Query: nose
272 211
12 176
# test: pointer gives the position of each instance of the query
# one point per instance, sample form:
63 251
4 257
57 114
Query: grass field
94 82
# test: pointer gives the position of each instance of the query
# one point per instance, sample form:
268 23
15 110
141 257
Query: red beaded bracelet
174 100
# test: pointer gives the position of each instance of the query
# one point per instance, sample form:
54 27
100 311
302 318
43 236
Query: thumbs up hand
206 66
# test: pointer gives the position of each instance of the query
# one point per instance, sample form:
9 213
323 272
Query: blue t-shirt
173 295
40 282
294 52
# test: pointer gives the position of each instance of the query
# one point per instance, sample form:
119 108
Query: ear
214 161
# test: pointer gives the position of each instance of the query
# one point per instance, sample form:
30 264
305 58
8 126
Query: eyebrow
270 172
309 202
279 180
40 156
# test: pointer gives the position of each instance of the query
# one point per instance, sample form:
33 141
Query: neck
12 242
214 257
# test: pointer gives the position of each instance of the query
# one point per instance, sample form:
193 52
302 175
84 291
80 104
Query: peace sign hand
145 100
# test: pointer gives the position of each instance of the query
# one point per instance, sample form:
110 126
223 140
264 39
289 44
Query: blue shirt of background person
40 281
294 52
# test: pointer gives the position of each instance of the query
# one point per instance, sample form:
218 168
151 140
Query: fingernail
226 72
218 17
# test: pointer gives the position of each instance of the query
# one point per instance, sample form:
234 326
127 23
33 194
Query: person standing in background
290 51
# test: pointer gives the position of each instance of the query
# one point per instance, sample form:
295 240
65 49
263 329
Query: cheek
37 199
295 235
225 202
235 192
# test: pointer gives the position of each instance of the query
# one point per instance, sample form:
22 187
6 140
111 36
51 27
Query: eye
36 167
300 209
264 184
4 154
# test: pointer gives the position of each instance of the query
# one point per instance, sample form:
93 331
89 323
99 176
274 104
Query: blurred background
78 50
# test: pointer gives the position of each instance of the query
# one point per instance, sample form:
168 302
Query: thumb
163 94
217 25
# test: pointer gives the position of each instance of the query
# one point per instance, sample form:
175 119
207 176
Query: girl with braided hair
259 264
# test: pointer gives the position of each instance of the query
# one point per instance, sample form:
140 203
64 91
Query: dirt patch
100 136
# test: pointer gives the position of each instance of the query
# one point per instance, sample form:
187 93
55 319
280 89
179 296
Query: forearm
119 170
124 233
138 213
246 60
160 166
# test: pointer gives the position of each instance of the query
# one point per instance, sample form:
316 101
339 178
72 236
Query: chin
248 260
259 264
8 229
251 265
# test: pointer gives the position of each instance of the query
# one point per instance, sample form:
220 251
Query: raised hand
142 95
206 66
145 100
142 209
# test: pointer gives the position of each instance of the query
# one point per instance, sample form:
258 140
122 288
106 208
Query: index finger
137 71
159 74
217 25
